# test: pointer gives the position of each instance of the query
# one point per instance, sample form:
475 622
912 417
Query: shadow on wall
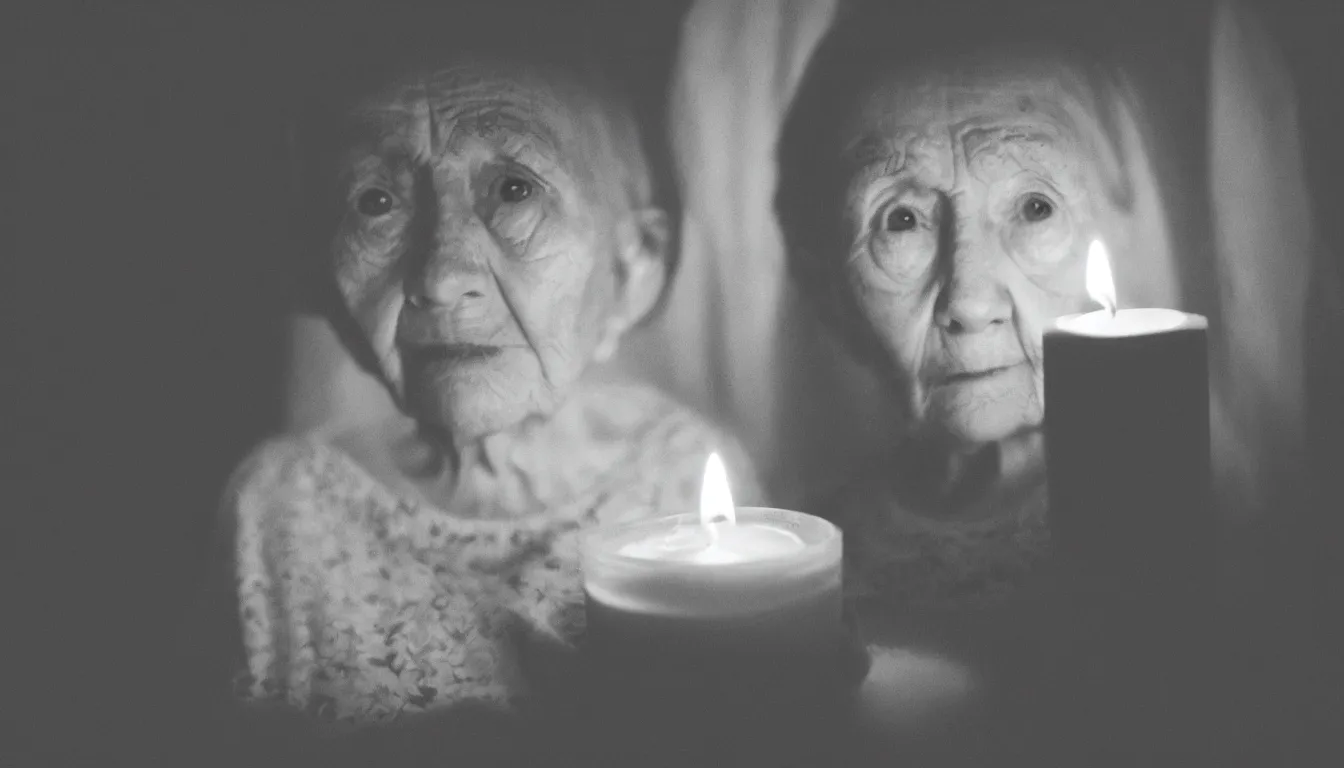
145 300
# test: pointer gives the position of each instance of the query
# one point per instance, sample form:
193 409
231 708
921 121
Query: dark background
145 211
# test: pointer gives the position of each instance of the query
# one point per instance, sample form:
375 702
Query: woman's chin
469 410
984 426
987 412
469 420
467 426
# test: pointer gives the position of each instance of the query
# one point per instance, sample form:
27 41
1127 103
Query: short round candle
691 542
751 580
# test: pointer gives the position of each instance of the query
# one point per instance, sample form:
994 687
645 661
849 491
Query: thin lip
435 351
960 377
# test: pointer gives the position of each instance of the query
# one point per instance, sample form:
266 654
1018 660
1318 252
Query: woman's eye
901 219
514 190
374 202
1036 208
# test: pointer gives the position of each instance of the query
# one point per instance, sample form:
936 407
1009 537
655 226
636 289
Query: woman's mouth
970 377
429 354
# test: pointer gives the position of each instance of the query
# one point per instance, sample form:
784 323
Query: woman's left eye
374 203
900 219
513 189
1036 208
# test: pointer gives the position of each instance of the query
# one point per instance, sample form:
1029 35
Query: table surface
957 692
991 692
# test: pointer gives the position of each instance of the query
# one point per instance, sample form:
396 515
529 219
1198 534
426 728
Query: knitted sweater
360 604
967 558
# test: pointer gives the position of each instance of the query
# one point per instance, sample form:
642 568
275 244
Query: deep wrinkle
498 123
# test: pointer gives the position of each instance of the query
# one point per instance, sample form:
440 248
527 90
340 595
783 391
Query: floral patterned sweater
359 603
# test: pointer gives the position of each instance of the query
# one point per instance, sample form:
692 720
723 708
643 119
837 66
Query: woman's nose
455 266
973 297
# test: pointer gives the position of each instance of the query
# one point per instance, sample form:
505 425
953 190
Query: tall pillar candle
1130 511
1127 445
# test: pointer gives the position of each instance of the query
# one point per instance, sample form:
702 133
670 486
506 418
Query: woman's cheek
887 288
365 262
373 245
1044 252
522 231
561 313
902 261
550 288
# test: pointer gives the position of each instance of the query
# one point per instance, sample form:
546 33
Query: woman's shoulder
293 478
286 462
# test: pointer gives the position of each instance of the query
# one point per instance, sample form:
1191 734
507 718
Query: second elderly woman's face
967 218
487 247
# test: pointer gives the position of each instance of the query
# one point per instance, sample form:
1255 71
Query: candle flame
716 498
1100 284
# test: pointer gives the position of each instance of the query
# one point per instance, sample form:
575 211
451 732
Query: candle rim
830 535
1175 320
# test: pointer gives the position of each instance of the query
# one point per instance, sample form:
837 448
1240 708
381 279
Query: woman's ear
641 275
642 261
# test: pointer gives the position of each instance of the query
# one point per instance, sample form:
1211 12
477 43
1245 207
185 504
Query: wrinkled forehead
548 98
973 101
469 93
431 107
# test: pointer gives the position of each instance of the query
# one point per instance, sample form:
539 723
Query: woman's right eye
374 203
900 219
514 190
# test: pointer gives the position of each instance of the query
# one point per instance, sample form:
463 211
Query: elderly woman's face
967 217
486 247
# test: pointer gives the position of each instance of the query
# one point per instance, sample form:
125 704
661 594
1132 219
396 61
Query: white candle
1128 322
1127 434
726 579
1111 322
1131 523
716 538
719 545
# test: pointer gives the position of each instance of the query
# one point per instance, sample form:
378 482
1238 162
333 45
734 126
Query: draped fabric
718 344
1220 224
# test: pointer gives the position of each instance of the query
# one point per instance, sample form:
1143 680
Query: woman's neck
425 461
444 469
967 481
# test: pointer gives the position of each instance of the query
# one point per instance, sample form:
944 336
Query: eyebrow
902 151
502 124
364 157
974 139
868 150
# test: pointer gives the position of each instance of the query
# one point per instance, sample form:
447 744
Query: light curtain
734 340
